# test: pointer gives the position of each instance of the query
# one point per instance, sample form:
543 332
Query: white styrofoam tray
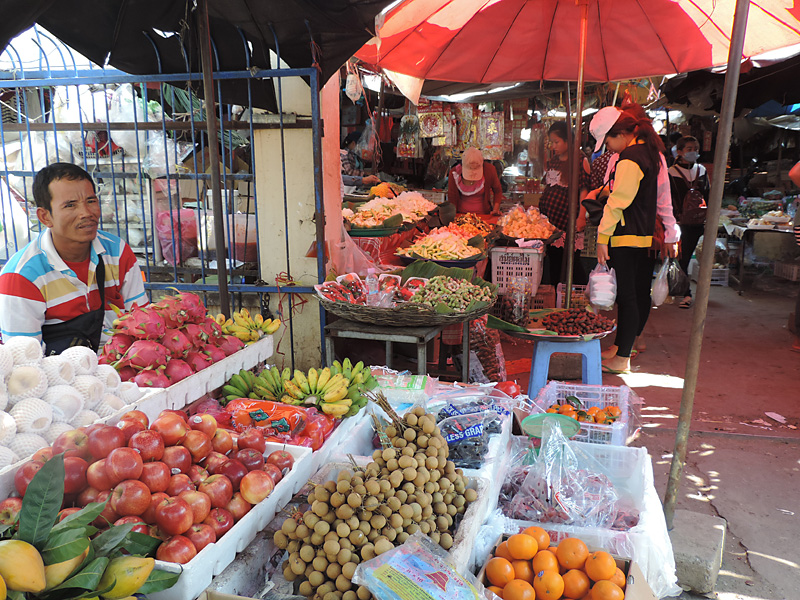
338 442
197 574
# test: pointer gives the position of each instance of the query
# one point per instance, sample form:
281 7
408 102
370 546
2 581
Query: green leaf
109 541
14 595
42 501
88 577
81 518
64 545
140 543
4 528
158 581
443 309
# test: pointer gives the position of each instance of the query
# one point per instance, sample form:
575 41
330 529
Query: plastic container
788 271
510 262
244 236
718 276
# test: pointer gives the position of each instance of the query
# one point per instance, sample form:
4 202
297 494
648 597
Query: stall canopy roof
118 31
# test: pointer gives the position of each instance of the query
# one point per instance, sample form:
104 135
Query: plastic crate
510 262
718 276
788 271
601 396
589 242
578 299
545 297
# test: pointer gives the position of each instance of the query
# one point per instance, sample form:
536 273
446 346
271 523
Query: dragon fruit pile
163 343
42 397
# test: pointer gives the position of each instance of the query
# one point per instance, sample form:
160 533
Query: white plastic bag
122 110
660 289
602 287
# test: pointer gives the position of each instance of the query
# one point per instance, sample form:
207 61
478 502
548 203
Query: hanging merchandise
537 156
408 145
431 118
508 128
353 88
491 137
467 123
450 128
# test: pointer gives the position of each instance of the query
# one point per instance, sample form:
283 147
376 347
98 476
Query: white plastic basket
510 262
718 276
616 434
787 271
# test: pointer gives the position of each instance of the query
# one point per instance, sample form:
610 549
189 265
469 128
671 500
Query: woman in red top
473 186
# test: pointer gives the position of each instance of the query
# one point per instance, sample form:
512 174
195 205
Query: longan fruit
281 539
321 493
316 579
343 584
330 517
389 533
322 528
412 529
360 489
427 511
354 500
364 527
390 431
371 503
316 539
367 551
330 596
333 570
325 589
387 454
409 435
353 522
399 442
428 426
378 521
344 512
407 451
470 495
294 546
320 563
357 537
393 464
307 553
349 569
446 541
441 523
320 508
289 526
373 487
342 487
425 527
373 535
343 530
435 536
305 589
401 495
349 595
384 510
344 556
363 593
297 565
382 546
405 461
331 547
356 480
302 531
330 486
401 537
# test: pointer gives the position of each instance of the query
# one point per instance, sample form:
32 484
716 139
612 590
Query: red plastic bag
281 418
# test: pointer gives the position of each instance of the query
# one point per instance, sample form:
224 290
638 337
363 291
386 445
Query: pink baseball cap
472 164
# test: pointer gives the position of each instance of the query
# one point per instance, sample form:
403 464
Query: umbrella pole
576 164
204 35
381 97
707 258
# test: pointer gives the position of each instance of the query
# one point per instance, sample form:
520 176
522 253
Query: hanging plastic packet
660 289
602 287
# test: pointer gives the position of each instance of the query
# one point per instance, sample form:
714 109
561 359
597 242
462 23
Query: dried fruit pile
528 224
576 321
410 486
456 294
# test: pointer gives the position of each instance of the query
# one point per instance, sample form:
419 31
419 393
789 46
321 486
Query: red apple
281 459
108 516
178 549
97 477
149 443
256 486
9 511
201 535
74 474
235 440
131 497
253 438
178 413
73 443
136 415
43 455
149 516
139 525
219 490
198 444
23 476
171 427
238 506
63 514
122 464
174 516
222 441
157 533
214 461
87 496
156 476
273 472
250 458
234 470
129 427
220 520
179 483
88 429
177 458
199 502
205 423
105 439
197 474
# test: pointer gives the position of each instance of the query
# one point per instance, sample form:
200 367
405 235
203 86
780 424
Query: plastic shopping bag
677 278
602 287
660 289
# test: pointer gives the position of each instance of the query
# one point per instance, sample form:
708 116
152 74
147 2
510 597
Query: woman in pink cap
473 186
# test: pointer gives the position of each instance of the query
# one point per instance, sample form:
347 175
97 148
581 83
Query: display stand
544 349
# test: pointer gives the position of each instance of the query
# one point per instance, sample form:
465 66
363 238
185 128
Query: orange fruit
542 537
518 590
572 553
600 565
593 410
600 416
499 571
605 590
613 411
502 551
619 578
496 590
576 584
523 570
552 409
548 585
522 547
544 561
565 408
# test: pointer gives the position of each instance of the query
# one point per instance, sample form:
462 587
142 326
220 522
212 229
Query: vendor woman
60 287
474 186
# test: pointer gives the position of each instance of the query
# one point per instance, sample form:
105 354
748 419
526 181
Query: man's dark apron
84 330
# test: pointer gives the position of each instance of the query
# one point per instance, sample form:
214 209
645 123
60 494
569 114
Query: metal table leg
465 353
328 351
422 358
389 354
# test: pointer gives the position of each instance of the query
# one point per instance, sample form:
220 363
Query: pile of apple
180 479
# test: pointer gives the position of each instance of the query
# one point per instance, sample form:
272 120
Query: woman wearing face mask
684 175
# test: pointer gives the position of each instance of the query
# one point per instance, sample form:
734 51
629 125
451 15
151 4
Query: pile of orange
526 567
591 414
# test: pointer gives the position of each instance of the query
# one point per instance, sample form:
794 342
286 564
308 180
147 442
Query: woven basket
406 315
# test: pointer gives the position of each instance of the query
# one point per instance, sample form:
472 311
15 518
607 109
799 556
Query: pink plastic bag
185 236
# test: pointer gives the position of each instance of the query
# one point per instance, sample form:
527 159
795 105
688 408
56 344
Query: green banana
336 368
248 376
232 390
286 373
238 382
347 368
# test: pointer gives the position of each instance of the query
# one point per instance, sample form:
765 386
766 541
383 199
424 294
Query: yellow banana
312 380
286 373
294 391
322 379
272 327
258 320
240 320
220 319
255 335
335 410
336 394
333 382
357 369
301 381
245 313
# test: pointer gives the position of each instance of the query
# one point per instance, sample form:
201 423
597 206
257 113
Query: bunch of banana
241 385
271 385
247 328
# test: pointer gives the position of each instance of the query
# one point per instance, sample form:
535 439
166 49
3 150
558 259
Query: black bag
694 204
595 206
677 278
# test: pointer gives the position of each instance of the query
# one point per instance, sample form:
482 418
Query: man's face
74 212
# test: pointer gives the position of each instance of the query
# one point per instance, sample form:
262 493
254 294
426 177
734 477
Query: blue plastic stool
540 363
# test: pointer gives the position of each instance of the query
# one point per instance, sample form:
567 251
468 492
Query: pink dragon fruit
144 354
230 344
198 360
177 370
127 373
151 378
115 348
141 323
196 334
192 305
176 342
216 354
173 312
213 330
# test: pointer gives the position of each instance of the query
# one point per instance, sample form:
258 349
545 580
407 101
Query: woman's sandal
686 302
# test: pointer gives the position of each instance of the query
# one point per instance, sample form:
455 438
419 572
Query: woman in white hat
473 186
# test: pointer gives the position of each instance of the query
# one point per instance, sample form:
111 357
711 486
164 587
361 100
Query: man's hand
371 180
672 250
602 253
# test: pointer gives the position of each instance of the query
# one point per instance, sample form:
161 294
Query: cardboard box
636 587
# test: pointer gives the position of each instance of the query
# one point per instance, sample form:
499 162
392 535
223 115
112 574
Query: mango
21 566
57 574
130 573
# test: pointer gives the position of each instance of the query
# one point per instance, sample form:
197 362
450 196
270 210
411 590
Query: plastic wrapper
677 278
416 570
185 236
602 287
467 437
660 289
164 156
485 343
276 416
121 109
402 390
